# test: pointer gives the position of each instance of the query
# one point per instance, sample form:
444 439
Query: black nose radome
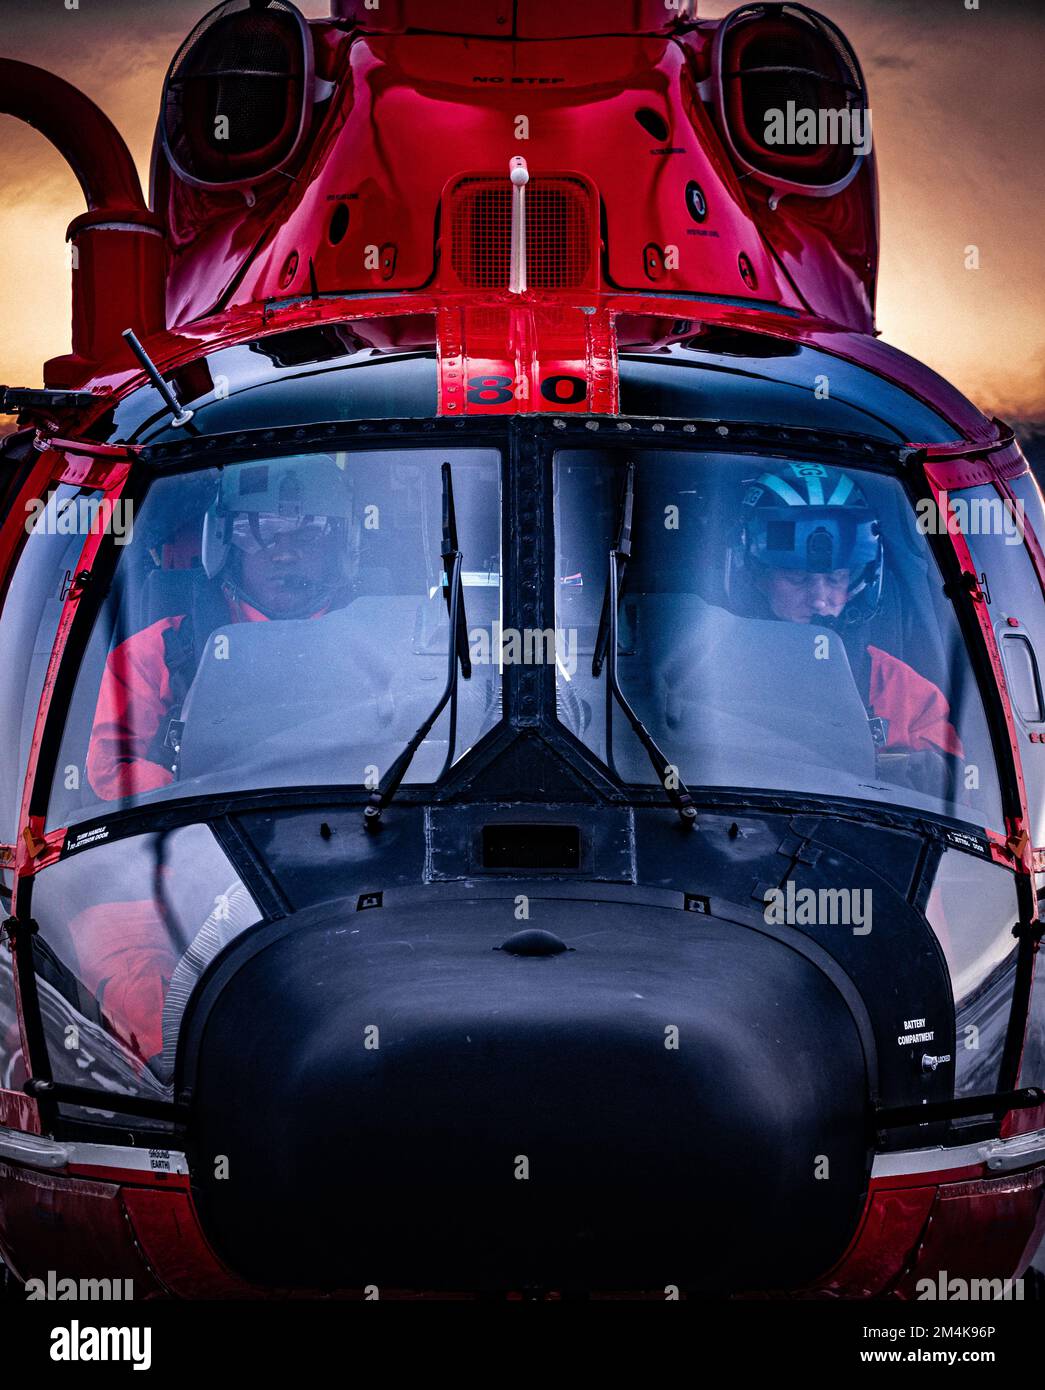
680 1100
534 943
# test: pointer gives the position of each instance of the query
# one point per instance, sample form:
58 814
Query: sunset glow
958 107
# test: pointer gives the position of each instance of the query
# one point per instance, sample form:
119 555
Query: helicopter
523 757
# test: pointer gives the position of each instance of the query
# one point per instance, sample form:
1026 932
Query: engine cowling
790 99
237 99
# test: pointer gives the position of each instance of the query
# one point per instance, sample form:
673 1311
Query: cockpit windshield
782 626
282 622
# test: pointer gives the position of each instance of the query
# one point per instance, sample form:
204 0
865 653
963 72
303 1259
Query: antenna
181 415
520 177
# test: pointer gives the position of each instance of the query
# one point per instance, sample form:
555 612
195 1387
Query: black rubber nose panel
670 1102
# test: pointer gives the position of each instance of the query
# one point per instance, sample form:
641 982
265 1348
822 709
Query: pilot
277 544
808 549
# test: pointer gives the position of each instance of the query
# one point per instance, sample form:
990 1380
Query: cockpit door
994 525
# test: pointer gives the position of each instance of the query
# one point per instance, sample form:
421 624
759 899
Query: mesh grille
558 233
242 72
843 54
233 97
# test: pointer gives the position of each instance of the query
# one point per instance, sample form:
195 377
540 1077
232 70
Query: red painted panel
978 1230
534 19
517 356
166 1228
953 473
1023 1122
77 1229
18 1111
893 1221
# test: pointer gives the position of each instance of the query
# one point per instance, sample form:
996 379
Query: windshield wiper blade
623 553
606 654
459 661
451 548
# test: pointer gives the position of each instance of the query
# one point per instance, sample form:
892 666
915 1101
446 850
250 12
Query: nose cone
669 1100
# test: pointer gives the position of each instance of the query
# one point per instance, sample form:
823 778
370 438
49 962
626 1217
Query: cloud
958 108
887 62
1017 393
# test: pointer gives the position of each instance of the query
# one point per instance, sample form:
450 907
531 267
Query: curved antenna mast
119 246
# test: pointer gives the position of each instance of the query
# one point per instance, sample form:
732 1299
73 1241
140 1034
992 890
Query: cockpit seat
168 593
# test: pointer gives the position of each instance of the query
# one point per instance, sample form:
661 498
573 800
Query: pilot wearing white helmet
278 542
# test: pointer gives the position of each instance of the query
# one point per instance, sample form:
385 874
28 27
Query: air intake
790 99
238 96
561 232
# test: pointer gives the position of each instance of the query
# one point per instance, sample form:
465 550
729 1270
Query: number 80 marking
498 390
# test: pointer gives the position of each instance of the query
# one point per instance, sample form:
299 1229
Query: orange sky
958 109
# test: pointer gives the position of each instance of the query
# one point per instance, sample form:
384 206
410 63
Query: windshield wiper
459 661
606 654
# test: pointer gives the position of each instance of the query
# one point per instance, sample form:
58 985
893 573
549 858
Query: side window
1017 611
125 931
12 1068
1028 494
1032 1065
28 623
972 909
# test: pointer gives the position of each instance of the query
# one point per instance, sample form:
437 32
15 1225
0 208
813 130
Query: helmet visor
251 532
819 540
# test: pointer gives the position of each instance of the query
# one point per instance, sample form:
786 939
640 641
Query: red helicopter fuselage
512 271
